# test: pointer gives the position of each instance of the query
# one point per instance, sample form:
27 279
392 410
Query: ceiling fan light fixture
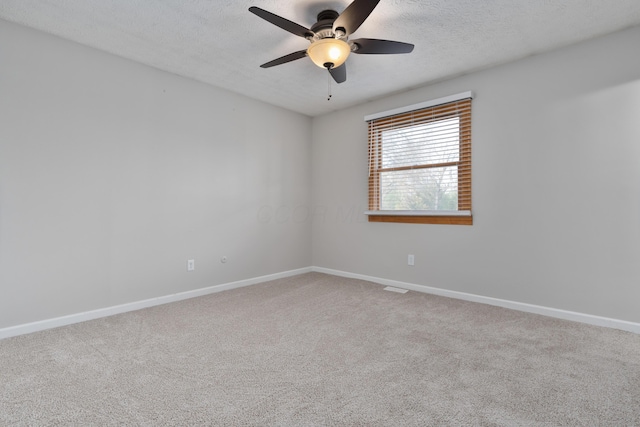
330 46
329 52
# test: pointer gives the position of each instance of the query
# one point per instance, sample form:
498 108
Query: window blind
420 163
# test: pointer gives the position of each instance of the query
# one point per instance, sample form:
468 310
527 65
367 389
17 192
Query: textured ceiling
221 43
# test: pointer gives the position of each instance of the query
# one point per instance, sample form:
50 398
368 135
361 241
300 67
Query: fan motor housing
324 27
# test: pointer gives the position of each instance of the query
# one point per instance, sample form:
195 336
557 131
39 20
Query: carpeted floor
322 350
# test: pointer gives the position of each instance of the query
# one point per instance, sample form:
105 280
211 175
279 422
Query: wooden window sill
423 219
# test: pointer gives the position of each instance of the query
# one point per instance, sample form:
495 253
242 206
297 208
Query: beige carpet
322 350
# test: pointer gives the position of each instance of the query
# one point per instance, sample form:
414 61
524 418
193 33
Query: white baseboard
529 308
137 305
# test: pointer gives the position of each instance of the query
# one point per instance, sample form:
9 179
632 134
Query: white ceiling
221 43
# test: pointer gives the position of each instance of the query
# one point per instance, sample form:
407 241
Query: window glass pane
421 144
420 189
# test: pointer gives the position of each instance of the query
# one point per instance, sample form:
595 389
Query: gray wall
113 174
556 186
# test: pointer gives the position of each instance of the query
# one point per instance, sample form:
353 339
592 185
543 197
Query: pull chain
329 85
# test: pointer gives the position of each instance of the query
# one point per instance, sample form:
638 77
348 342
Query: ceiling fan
329 37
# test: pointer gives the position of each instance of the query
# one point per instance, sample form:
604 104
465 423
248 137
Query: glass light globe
329 52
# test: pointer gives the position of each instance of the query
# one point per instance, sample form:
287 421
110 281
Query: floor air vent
398 290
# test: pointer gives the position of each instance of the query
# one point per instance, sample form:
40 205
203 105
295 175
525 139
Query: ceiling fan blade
284 59
281 22
354 15
339 74
375 46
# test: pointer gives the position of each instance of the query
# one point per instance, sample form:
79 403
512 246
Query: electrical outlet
411 259
191 265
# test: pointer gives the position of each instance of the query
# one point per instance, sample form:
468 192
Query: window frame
439 109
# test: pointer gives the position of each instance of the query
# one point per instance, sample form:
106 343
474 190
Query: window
420 163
